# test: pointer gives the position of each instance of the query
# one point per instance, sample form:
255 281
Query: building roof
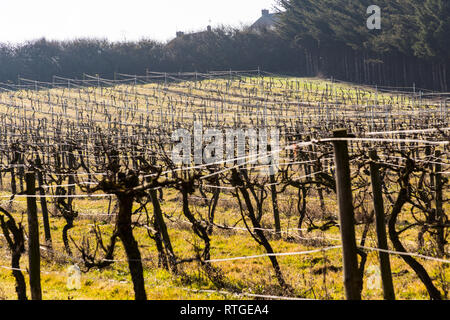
191 36
266 21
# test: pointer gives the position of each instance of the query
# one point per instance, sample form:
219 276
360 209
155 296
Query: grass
316 276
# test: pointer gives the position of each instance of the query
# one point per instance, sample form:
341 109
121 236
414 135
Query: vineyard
350 202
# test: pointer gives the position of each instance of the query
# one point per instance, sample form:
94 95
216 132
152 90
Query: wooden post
440 237
34 256
276 211
385 264
44 209
346 216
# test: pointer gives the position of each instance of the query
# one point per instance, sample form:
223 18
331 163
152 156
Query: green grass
317 276
305 273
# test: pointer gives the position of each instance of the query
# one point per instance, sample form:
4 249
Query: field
112 200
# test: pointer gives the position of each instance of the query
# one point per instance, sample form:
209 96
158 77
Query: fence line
275 254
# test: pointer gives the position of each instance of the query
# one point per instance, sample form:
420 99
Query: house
267 21
194 34
191 36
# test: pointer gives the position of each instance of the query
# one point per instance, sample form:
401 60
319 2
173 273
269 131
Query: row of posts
346 214
352 277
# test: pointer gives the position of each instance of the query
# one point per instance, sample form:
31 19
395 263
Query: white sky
22 20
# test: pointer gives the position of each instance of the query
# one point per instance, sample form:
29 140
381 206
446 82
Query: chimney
180 34
208 28
265 12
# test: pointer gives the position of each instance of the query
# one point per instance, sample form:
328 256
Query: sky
23 20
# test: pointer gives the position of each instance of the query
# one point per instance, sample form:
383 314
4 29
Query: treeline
313 38
413 45
218 49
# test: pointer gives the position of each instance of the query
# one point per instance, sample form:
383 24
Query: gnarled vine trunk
125 232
